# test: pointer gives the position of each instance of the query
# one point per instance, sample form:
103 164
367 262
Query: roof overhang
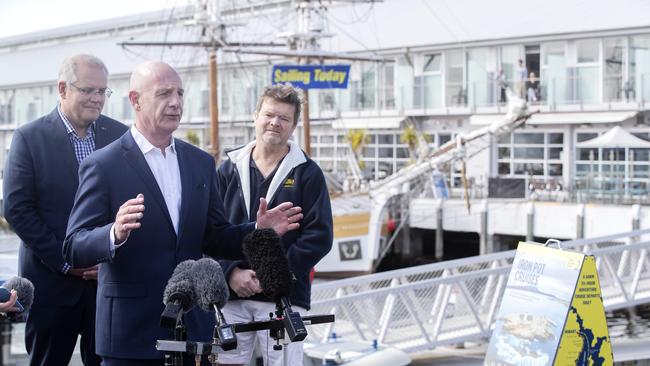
369 123
559 118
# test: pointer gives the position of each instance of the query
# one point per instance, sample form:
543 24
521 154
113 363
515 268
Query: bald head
156 94
148 72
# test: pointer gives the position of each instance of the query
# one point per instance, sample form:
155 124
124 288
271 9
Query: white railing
450 302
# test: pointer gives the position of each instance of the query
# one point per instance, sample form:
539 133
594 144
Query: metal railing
445 303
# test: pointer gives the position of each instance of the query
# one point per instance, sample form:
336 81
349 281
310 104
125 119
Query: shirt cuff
113 245
65 268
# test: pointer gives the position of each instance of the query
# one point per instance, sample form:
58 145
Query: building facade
586 71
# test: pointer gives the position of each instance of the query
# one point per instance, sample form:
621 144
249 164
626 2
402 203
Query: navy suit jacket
40 181
131 283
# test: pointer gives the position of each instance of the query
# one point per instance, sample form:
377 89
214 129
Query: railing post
580 222
530 222
439 231
483 236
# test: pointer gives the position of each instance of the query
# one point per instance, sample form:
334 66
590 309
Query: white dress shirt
167 173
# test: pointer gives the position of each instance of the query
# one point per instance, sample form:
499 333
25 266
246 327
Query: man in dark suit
40 181
139 249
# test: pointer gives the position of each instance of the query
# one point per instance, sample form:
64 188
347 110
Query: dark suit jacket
40 181
131 284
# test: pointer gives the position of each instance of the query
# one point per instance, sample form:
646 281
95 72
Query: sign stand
552 311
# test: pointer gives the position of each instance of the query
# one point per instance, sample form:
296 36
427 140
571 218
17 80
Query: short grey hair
284 93
68 70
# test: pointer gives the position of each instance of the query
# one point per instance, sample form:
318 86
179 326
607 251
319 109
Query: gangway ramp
421 308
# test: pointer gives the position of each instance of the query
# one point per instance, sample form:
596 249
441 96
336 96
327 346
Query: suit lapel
184 165
101 133
134 156
61 141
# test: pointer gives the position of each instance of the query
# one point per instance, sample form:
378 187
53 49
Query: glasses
102 92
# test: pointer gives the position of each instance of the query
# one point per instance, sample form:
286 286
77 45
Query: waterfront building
588 70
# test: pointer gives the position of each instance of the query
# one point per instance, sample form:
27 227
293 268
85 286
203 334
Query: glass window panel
504 168
385 152
371 139
454 78
444 137
551 50
529 153
402 152
529 138
613 68
582 169
639 68
587 50
503 139
555 138
584 136
640 154
504 153
385 139
588 84
555 170
326 152
327 139
432 62
614 154
587 154
529 168
641 171
368 152
555 153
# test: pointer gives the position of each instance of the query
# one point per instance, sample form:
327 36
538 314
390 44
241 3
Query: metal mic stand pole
179 335
280 334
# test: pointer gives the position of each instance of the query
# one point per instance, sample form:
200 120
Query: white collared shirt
166 171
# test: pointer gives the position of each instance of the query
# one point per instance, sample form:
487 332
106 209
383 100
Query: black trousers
51 332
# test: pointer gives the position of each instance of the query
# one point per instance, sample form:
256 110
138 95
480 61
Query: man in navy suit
139 249
40 181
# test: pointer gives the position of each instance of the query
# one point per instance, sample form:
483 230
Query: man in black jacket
273 167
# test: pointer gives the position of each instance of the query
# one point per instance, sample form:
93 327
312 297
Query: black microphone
263 250
211 295
25 290
179 295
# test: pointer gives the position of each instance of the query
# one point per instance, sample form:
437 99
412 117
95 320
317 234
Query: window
613 88
432 62
587 50
454 72
536 154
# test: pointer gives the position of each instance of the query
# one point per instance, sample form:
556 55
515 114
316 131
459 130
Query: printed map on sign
585 341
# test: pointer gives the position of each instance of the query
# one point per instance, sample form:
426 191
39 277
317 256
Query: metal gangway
446 303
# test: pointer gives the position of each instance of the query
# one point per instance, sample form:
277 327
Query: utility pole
214 106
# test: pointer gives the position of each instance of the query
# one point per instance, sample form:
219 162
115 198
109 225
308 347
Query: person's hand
127 218
8 306
244 282
89 273
282 218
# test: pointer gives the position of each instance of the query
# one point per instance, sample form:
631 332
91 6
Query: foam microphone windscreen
210 284
263 250
24 288
180 286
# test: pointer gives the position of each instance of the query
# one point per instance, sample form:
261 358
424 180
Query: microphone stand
275 326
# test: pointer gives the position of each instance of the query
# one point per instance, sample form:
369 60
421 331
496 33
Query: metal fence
450 302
